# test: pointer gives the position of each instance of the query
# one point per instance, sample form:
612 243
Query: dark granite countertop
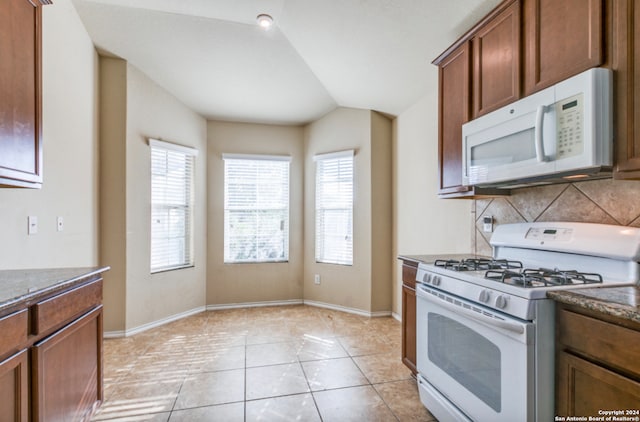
430 259
621 302
18 286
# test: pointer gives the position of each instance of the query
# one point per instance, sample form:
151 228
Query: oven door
473 362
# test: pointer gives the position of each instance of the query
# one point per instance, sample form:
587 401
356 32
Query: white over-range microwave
562 133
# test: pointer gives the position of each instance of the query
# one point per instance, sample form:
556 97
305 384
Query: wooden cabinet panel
409 357
624 56
60 309
561 38
586 388
496 62
597 363
67 371
13 332
14 388
20 90
603 342
409 270
454 110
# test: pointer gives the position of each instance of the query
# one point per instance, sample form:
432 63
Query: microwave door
511 143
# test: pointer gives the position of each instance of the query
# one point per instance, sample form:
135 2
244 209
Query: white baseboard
163 321
114 334
153 324
254 304
347 309
396 316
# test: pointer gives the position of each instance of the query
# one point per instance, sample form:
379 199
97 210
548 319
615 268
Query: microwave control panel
570 125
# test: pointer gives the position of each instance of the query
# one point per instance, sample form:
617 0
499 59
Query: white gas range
485 328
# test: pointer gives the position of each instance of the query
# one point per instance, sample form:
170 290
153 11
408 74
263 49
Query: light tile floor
287 363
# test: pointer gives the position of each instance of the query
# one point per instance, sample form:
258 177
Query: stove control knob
501 302
485 295
435 280
426 278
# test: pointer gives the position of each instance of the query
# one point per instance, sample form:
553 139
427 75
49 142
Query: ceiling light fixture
264 21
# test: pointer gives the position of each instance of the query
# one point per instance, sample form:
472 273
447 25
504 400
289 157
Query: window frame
319 254
286 216
188 206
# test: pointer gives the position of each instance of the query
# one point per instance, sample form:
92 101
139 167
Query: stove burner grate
477 264
542 277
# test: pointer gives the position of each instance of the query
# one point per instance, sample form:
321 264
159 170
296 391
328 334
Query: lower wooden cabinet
51 355
409 270
597 363
67 371
14 388
585 388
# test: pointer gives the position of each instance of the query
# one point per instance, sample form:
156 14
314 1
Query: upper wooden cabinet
20 90
478 74
561 38
454 110
496 61
521 47
625 55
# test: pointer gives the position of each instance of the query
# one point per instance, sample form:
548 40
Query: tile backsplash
601 201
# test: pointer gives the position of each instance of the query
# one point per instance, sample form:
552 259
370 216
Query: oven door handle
492 322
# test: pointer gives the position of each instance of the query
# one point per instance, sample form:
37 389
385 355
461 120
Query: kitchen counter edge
620 302
24 287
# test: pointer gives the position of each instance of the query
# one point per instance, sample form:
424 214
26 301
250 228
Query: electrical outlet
32 224
59 224
316 279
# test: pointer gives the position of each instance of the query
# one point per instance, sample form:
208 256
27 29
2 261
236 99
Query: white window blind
256 208
334 208
171 206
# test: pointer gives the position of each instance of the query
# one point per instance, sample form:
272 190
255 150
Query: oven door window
467 357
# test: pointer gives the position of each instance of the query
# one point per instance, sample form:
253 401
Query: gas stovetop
531 259
513 273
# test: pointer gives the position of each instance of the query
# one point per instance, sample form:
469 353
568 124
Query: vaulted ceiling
320 54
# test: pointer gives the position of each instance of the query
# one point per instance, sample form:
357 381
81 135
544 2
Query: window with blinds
256 208
334 208
172 169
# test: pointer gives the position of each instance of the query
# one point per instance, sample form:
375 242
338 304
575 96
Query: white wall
423 224
70 125
242 283
134 109
353 287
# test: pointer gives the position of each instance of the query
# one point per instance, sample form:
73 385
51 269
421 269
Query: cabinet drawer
63 308
606 342
13 332
409 275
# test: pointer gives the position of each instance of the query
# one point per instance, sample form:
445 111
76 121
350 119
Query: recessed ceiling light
264 21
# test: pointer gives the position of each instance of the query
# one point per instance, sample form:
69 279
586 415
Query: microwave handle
538 134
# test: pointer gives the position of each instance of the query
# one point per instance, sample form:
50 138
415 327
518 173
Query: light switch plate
60 224
32 222
487 224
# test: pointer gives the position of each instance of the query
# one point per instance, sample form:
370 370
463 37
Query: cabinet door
409 317
561 38
14 389
625 56
584 388
496 62
20 107
454 110
67 371
409 328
